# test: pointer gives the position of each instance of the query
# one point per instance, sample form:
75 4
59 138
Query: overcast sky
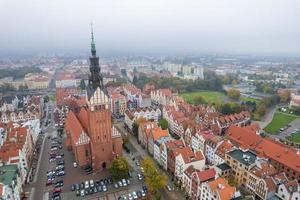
151 26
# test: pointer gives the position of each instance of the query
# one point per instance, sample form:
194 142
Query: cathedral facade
90 133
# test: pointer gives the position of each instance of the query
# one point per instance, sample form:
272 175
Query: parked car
104 188
91 183
140 177
124 182
58 190
75 164
169 188
49 182
82 193
134 195
116 185
77 193
60 173
86 184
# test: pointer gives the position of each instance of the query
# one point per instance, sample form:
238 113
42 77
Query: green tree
119 168
82 84
199 100
163 123
233 94
154 179
261 109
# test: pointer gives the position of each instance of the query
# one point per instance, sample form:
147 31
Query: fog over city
156 26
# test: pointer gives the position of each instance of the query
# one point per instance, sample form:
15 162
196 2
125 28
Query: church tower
99 115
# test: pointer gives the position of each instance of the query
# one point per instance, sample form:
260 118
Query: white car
86 184
124 182
143 193
169 188
91 183
140 177
134 195
130 196
75 164
104 188
82 193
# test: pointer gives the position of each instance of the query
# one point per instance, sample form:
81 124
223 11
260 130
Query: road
36 187
139 153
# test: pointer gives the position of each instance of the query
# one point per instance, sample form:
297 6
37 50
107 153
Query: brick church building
90 133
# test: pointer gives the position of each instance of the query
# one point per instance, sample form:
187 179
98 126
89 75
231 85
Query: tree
82 84
154 179
119 168
136 124
163 123
233 94
261 109
199 100
284 96
135 128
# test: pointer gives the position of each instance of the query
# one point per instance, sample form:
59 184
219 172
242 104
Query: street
139 153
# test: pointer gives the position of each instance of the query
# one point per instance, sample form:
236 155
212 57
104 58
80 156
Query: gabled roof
280 153
188 155
206 175
74 127
243 137
221 187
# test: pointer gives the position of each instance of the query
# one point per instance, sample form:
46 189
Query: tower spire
93 45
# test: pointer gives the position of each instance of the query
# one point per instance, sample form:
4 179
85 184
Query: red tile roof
280 153
206 174
243 137
73 126
188 155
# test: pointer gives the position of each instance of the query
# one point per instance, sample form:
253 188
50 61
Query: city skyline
156 27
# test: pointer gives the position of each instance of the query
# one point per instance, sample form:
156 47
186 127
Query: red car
57 190
49 183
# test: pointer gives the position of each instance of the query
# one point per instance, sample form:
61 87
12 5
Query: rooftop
245 157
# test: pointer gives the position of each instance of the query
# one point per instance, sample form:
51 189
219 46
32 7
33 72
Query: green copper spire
93 45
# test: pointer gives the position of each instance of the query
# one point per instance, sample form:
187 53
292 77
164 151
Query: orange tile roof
188 155
206 174
158 133
280 153
244 137
221 187
224 147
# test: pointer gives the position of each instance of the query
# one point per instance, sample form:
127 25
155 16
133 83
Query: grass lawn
280 120
208 96
294 138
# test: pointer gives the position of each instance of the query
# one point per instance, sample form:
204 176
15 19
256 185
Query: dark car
73 187
100 188
82 185
145 188
77 186
60 162
58 185
60 182
95 190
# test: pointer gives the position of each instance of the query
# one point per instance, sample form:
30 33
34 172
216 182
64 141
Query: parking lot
76 176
